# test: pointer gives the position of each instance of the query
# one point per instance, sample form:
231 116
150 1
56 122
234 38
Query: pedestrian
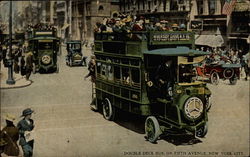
25 126
91 68
29 64
3 143
10 134
245 64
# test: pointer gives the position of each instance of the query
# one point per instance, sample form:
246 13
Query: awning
65 26
210 40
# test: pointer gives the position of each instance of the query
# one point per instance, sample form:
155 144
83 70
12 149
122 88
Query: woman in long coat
11 135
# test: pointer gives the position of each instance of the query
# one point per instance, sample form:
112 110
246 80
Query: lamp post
10 79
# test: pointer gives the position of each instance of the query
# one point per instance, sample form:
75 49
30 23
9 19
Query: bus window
45 45
125 76
103 71
98 68
135 74
125 61
134 62
117 73
110 73
117 60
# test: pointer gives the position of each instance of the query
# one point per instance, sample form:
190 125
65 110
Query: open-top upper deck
137 43
152 37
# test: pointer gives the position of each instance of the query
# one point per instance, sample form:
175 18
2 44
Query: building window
181 1
212 4
173 5
100 8
200 7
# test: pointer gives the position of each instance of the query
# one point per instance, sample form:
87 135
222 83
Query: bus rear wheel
108 110
152 129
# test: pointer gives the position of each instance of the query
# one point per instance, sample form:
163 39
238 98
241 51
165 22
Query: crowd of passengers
128 23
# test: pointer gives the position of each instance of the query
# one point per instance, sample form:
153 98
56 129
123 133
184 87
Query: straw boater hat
163 21
175 25
26 112
9 117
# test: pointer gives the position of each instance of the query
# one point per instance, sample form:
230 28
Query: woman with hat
24 126
10 135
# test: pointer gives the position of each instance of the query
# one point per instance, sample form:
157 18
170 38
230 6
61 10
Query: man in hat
10 135
164 78
91 68
26 125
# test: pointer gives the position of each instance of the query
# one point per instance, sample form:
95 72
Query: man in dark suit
164 78
25 126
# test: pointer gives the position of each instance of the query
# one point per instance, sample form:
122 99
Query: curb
20 86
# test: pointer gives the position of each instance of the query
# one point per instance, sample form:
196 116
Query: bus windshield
45 45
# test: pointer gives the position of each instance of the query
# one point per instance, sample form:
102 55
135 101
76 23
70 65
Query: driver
164 78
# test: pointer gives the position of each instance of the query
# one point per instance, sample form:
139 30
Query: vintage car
75 56
216 71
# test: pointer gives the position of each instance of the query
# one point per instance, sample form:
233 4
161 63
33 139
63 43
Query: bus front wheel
108 110
152 129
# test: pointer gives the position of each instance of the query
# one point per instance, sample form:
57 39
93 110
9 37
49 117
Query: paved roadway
65 126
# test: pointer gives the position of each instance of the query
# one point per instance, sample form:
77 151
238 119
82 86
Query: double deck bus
126 70
44 45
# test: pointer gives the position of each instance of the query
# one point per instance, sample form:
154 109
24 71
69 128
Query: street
65 126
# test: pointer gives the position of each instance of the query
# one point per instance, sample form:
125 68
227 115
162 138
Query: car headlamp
46 59
193 108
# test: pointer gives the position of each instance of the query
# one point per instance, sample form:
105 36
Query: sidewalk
20 80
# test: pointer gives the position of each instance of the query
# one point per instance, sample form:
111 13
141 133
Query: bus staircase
93 104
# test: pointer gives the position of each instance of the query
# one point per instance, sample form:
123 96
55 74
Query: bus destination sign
172 37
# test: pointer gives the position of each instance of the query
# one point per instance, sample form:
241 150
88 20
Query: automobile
219 70
75 56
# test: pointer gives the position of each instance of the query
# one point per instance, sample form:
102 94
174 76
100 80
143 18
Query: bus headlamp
193 108
150 83
178 91
46 59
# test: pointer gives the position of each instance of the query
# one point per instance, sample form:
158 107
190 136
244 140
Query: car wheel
214 78
152 129
108 110
233 80
202 131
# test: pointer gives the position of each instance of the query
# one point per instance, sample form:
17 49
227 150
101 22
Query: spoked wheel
214 78
152 129
233 80
108 110
202 131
